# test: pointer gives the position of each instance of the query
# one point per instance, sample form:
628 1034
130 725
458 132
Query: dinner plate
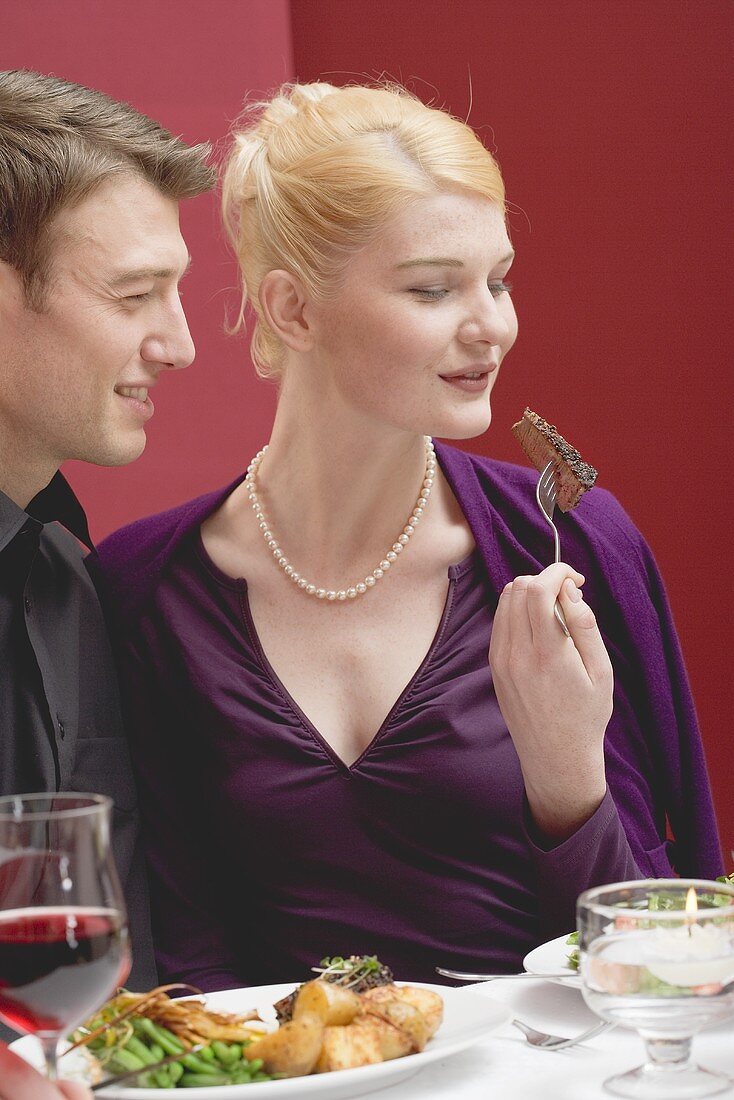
468 1017
552 958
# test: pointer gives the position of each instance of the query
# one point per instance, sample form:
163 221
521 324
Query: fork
465 976
545 1041
546 494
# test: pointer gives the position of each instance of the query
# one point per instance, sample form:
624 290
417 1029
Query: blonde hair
319 170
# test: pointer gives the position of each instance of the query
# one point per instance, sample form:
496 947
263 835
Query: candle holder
657 956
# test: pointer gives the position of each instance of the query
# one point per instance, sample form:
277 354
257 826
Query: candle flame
691 908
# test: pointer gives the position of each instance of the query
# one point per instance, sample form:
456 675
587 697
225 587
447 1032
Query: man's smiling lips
137 400
472 380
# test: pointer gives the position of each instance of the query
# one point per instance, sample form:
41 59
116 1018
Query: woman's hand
19 1081
555 694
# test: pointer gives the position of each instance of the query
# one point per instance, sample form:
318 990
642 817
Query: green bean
207 1053
141 1051
203 1080
225 1054
175 1071
162 1078
124 1060
255 1065
161 1035
196 1065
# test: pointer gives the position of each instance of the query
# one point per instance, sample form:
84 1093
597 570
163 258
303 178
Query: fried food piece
394 1043
293 1049
542 443
427 1001
356 1044
333 1004
385 1004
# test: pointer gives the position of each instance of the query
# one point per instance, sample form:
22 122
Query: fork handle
558 612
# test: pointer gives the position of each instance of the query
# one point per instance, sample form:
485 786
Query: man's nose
172 346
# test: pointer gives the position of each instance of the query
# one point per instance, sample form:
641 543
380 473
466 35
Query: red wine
58 965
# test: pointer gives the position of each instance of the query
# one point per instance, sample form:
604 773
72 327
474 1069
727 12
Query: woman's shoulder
509 486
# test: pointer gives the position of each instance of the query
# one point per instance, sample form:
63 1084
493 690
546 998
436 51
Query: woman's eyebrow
432 261
446 261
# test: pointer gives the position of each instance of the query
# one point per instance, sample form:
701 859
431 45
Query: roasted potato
356 1044
333 1004
394 1043
400 1015
291 1050
428 1003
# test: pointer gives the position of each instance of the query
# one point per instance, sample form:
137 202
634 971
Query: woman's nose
487 323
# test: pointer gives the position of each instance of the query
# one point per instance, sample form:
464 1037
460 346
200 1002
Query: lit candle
691 955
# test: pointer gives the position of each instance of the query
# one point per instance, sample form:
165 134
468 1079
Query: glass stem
668 1053
50 1044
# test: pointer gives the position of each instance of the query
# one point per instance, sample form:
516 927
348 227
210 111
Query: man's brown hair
58 141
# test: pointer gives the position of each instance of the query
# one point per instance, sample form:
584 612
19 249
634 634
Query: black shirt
60 719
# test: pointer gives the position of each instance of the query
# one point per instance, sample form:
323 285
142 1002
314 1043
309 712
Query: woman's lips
471 382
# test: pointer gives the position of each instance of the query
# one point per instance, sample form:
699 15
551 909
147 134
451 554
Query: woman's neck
337 490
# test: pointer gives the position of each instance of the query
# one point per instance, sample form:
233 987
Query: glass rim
587 899
12 810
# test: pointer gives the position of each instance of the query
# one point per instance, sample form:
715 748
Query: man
91 256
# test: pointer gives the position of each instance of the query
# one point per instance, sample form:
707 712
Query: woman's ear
284 303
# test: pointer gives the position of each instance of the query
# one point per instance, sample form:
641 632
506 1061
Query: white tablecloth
505 1067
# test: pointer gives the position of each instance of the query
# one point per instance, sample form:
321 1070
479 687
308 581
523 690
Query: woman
328 762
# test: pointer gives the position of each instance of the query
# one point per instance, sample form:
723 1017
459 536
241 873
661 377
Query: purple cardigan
653 744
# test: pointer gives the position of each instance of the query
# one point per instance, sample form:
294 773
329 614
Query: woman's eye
501 287
430 294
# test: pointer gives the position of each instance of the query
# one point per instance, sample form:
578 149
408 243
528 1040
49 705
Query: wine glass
63 928
657 956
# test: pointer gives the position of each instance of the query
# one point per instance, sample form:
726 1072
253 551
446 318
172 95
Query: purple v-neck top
266 852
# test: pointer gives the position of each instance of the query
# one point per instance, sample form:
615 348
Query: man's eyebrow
140 274
446 261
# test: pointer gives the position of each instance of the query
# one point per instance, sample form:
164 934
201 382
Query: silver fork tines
546 494
544 1041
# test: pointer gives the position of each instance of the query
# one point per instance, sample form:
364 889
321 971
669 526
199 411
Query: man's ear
285 303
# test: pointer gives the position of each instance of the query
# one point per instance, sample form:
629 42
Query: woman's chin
467 426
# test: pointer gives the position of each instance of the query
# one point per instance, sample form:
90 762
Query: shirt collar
56 502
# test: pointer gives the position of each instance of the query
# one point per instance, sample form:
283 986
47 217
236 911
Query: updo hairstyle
317 171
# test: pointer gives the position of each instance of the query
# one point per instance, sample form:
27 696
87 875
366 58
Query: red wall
608 121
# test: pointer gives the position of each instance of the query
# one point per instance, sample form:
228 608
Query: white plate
552 958
468 1017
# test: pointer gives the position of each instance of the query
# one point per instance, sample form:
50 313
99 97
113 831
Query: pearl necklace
377 574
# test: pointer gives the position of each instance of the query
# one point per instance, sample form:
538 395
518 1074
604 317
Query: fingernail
573 593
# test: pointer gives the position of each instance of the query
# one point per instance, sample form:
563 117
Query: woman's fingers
582 626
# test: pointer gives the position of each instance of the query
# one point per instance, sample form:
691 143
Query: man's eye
431 294
501 287
139 297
